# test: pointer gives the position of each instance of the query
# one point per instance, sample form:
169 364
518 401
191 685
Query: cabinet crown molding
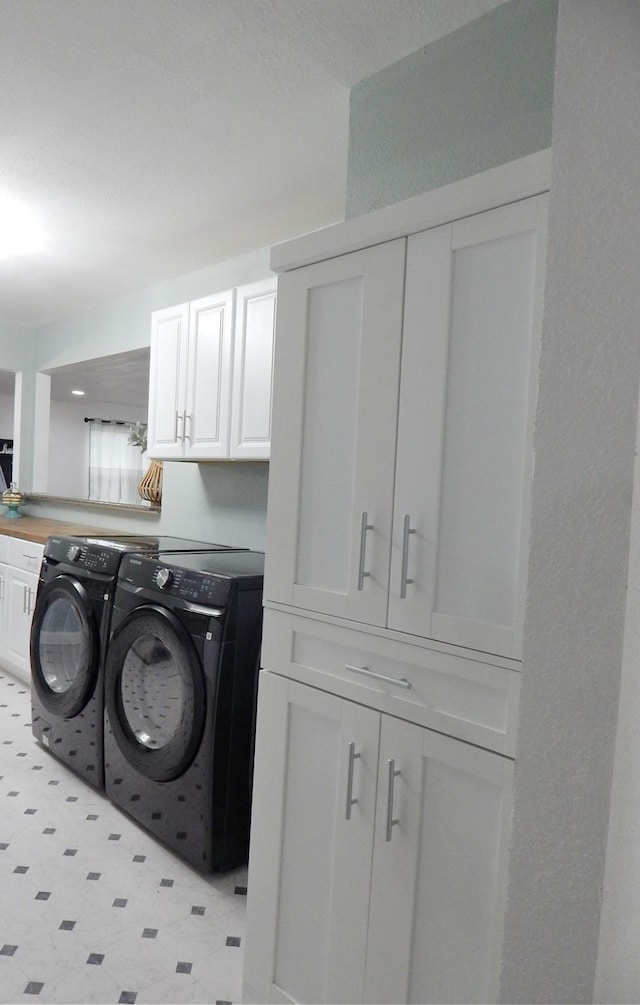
509 182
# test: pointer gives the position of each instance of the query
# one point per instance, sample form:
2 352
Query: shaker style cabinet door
253 371
311 845
21 589
439 868
334 429
378 856
167 381
469 359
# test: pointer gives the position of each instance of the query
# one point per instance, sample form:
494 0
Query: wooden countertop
37 528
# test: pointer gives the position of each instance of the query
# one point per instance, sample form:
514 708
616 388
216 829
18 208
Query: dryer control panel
199 578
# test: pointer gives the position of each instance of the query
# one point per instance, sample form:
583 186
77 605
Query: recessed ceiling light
79 393
20 230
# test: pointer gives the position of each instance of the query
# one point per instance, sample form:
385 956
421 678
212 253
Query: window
115 466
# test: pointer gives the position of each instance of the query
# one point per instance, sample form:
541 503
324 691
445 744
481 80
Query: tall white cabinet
396 561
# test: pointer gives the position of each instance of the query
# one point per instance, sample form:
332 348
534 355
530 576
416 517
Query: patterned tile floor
92 909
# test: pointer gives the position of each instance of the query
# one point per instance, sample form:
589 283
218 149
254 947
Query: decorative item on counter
12 498
150 485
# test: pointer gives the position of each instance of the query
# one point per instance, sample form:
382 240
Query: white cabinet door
358 897
311 845
472 314
439 867
168 381
253 371
209 373
190 379
21 600
334 429
4 620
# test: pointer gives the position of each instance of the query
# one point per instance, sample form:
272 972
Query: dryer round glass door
65 647
155 694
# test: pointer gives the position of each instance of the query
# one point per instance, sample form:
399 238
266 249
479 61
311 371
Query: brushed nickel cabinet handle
407 529
391 820
364 527
366 672
188 435
350 800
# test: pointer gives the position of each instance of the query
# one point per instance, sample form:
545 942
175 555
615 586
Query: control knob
163 578
73 552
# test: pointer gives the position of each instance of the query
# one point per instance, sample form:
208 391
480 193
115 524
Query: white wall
618 970
6 416
582 493
68 469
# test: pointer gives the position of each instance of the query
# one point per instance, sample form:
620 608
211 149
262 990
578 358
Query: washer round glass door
155 693
65 647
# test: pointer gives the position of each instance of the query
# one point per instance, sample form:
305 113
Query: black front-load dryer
180 684
69 634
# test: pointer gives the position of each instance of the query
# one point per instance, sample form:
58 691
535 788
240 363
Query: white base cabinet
18 588
377 859
4 569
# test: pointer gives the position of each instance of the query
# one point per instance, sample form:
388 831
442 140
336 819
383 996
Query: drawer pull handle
350 800
391 820
366 672
364 527
404 579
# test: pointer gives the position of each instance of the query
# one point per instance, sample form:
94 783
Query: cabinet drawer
4 548
25 555
474 701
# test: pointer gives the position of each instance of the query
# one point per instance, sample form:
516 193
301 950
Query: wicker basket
150 485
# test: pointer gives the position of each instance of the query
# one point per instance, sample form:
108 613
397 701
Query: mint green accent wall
474 99
125 323
221 501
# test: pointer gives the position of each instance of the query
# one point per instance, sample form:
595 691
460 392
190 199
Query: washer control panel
78 553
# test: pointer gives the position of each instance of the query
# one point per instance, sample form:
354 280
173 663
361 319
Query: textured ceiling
120 379
153 137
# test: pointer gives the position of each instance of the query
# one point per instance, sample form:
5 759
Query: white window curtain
115 467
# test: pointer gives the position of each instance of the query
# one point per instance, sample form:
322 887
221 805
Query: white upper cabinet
253 370
168 381
335 405
210 380
473 296
190 379
403 430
